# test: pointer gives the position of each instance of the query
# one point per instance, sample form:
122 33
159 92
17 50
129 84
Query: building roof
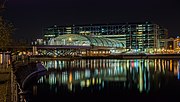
84 40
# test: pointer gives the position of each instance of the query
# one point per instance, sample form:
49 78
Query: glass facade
84 40
145 36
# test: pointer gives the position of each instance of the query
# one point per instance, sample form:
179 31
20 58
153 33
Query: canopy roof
83 40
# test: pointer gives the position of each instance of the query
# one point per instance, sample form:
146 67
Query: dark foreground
169 93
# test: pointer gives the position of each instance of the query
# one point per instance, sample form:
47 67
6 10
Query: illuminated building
170 43
98 45
176 44
145 36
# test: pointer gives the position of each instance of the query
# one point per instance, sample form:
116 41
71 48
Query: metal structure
78 45
84 40
140 36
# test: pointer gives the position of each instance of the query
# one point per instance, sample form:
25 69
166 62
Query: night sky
30 16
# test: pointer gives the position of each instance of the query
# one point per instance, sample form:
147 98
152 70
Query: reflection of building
99 72
144 36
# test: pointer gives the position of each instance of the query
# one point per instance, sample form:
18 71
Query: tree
6 29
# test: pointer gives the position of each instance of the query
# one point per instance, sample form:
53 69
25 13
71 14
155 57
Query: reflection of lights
127 63
109 71
55 64
70 77
115 71
77 75
165 63
102 84
136 64
145 63
70 86
96 71
87 83
147 66
82 83
81 75
87 73
100 72
155 65
93 81
178 70
52 79
41 80
159 84
140 79
175 68
132 64
120 69
95 76
97 80
163 67
170 65
34 90
159 63
64 77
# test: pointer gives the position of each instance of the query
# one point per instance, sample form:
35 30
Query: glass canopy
83 40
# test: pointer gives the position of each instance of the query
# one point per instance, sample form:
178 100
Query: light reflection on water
97 75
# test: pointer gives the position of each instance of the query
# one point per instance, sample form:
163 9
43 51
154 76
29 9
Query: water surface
108 79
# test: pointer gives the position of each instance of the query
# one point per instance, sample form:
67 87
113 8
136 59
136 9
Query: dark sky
30 16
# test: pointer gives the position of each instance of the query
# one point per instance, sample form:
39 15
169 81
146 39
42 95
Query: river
108 79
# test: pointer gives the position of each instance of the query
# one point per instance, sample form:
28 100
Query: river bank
117 56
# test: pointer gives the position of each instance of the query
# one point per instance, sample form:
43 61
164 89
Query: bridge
71 50
63 50
25 72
